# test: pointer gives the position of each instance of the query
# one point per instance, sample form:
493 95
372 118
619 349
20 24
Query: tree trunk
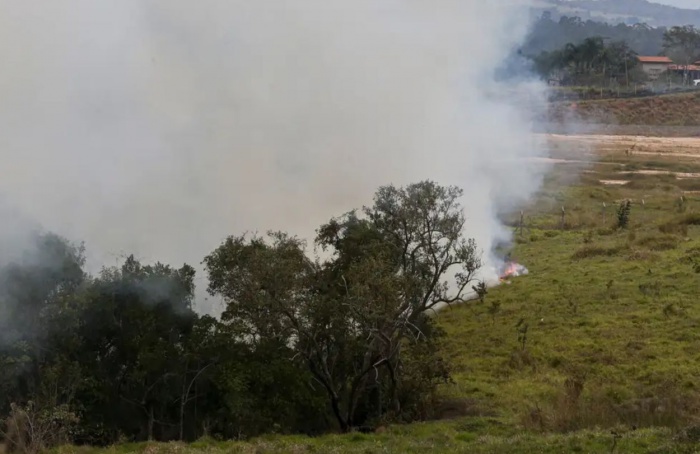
357 391
182 414
151 420
393 388
344 427
359 383
183 402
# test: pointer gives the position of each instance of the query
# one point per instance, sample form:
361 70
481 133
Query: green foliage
302 346
548 34
683 43
606 359
521 328
129 357
623 214
590 62
32 429
347 319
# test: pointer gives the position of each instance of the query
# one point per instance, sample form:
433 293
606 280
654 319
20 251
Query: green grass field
479 436
610 359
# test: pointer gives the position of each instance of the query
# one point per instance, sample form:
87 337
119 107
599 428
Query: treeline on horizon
548 35
303 345
593 54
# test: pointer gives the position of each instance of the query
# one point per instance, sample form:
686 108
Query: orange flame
512 269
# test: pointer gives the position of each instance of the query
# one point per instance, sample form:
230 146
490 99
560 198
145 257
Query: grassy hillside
667 110
610 358
612 316
614 11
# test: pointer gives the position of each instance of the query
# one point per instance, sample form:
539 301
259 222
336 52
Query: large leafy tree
36 290
304 345
135 323
348 319
592 61
683 43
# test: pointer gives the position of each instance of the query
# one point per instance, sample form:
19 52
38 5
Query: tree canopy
590 62
304 344
548 35
683 44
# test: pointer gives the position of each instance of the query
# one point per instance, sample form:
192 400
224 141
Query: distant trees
580 52
548 35
304 345
682 44
591 62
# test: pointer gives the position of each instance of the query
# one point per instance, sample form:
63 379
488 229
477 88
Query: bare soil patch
614 182
597 144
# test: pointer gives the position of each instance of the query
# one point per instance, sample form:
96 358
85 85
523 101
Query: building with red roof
653 67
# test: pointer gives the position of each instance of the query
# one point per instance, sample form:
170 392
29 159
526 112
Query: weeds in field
623 214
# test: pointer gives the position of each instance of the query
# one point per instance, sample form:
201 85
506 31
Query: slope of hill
626 11
665 110
549 33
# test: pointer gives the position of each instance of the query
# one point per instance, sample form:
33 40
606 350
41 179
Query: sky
694 4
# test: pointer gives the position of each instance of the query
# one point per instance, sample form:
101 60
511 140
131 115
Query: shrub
29 429
623 214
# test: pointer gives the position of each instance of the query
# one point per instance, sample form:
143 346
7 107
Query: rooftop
664 60
695 67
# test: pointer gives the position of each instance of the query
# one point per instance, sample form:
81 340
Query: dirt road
685 147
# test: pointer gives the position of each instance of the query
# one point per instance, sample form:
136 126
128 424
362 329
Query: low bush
30 429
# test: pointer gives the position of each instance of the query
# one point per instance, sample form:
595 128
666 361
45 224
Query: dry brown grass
666 110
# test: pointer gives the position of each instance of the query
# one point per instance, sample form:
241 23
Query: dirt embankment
667 115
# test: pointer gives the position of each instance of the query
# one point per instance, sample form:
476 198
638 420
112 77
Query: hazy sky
694 4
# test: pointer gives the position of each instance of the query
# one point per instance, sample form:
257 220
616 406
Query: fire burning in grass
512 269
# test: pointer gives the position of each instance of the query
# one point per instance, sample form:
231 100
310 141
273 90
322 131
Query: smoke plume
158 127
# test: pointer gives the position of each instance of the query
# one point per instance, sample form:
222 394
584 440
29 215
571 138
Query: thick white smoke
160 126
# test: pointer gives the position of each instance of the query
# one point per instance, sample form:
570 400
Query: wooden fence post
605 210
563 218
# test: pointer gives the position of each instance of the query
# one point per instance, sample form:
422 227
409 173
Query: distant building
653 67
692 72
